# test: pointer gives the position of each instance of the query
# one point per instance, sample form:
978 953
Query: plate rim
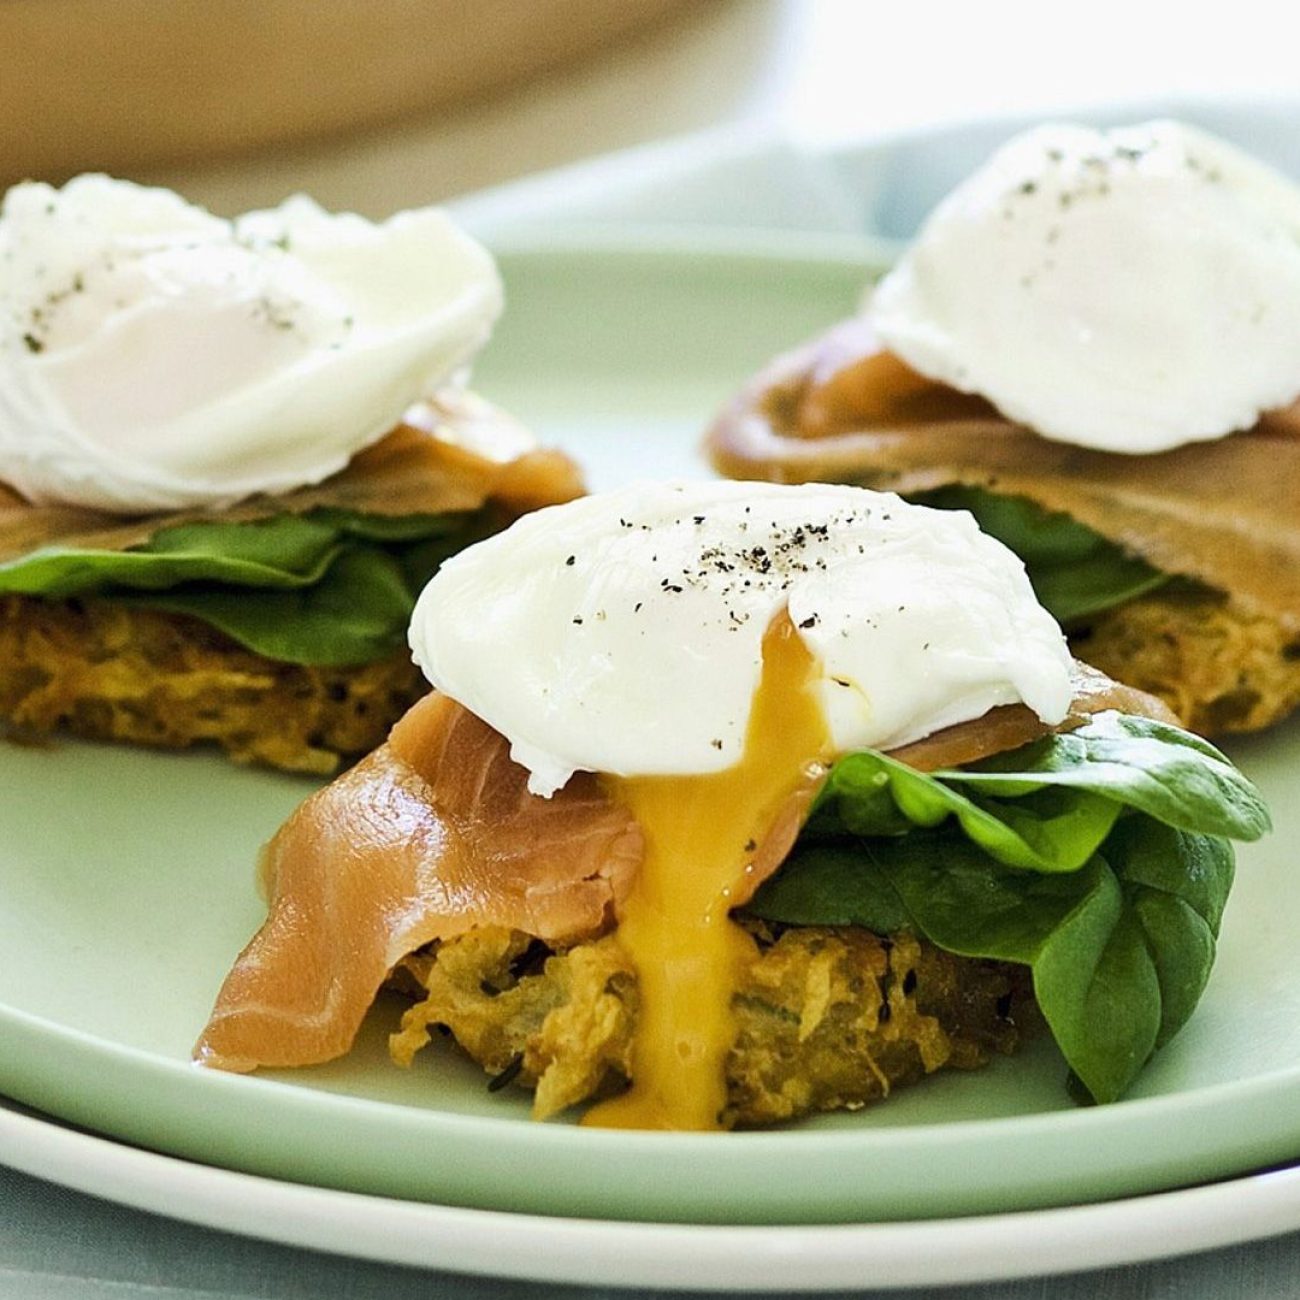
941 1134
684 1256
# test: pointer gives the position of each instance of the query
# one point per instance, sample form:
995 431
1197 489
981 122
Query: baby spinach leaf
1043 830
1048 805
357 613
1173 775
287 551
330 587
1098 858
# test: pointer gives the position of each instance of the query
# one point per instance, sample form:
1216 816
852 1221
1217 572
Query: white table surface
818 71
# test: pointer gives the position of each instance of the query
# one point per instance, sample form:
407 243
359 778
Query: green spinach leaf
331 587
1099 858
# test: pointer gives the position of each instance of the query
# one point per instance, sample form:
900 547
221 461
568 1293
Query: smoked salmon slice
433 834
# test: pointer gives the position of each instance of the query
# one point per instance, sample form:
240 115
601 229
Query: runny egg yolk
701 833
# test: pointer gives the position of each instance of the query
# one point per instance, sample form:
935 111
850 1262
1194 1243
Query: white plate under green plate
126 891
683 1256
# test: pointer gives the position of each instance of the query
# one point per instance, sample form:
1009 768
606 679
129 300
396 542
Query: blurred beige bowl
115 84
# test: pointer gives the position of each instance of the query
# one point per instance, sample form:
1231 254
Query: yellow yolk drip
701 833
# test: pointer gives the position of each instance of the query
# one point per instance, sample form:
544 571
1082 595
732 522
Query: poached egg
156 357
708 648
1130 290
623 632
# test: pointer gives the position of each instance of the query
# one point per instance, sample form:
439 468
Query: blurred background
374 105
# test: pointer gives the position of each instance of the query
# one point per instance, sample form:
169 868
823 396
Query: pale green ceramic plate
126 890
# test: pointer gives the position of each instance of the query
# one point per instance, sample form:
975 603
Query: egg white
155 357
622 633
1130 290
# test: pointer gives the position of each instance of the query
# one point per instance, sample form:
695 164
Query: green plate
126 890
